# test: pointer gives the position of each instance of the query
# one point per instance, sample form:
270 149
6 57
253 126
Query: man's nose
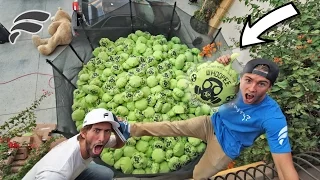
102 136
252 87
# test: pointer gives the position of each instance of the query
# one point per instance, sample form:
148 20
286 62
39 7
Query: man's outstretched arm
285 167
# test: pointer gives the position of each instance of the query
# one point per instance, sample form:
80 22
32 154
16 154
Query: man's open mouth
249 96
97 149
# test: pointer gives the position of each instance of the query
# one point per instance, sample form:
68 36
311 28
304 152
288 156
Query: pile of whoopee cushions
145 78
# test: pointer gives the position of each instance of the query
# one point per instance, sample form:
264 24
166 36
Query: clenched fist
225 59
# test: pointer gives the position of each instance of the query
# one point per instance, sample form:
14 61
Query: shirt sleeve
50 175
276 130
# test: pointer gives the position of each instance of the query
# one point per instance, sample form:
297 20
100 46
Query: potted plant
199 21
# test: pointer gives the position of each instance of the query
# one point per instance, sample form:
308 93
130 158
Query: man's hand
121 134
125 127
225 59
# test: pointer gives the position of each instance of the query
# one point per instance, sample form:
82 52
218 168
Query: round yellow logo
214 83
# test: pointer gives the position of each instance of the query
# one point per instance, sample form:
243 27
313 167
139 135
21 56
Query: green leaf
282 84
298 94
317 25
275 88
295 67
305 28
282 39
316 106
304 17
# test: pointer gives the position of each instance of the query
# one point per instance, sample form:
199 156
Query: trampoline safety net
125 17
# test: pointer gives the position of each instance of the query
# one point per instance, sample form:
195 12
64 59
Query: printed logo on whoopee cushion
214 83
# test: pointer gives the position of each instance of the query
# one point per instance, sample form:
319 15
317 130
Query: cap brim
113 123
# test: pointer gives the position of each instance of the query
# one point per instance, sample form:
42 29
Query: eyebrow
258 81
102 129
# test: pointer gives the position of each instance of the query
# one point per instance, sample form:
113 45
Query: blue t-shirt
237 125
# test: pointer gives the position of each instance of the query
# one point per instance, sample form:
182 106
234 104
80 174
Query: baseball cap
271 75
101 115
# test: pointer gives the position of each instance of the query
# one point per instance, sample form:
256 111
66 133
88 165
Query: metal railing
307 165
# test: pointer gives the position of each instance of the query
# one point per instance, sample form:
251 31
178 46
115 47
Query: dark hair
84 129
262 67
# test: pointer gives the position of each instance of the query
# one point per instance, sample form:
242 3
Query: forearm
280 175
114 142
119 143
288 175
285 167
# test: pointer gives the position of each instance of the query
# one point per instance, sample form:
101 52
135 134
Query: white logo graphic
244 115
282 135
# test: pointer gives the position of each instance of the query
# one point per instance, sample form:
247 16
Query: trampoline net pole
219 30
80 20
75 52
131 17
170 28
54 67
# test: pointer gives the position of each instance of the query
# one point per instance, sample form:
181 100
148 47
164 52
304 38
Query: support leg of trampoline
131 16
80 20
75 52
170 28
54 67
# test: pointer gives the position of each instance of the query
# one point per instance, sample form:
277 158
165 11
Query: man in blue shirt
236 125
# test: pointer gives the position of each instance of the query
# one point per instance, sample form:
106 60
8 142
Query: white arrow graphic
250 34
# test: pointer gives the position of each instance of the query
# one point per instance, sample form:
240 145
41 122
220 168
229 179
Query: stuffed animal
60 31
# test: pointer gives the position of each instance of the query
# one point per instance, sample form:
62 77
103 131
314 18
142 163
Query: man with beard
236 125
72 159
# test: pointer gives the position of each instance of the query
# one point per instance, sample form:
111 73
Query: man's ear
269 89
83 134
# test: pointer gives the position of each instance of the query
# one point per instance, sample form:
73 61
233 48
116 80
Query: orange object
208 50
277 60
231 165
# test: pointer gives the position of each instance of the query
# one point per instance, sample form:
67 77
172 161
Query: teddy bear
60 30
